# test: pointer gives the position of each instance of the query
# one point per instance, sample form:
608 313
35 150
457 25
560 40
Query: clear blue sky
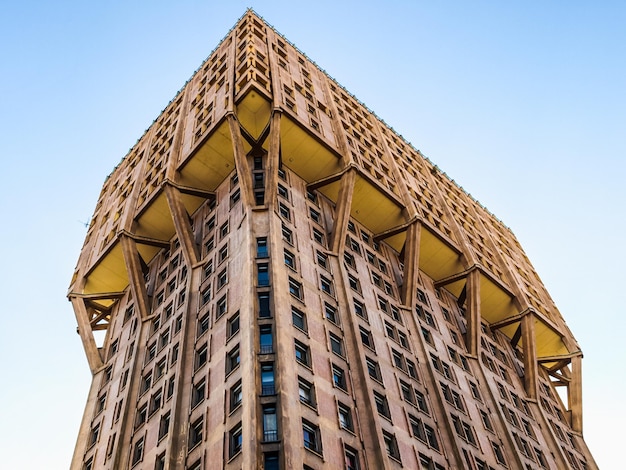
522 103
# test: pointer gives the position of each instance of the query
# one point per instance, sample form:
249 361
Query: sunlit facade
274 279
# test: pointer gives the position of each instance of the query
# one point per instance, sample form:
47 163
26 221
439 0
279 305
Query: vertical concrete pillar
86 335
273 160
182 225
135 276
411 263
575 395
241 163
473 312
530 355
342 211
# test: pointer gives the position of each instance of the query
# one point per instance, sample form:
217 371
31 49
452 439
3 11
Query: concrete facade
273 278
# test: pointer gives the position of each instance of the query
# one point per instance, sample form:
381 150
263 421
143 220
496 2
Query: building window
208 269
318 236
197 393
266 339
259 180
322 260
224 229
295 288
155 402
222 306
137 451
232 360
170 387
391 445
236 395
351 459
270 423
404 341
339 378
359 309
206 295
283 192
264 304
261 247
222 278
326 285
151 352
223 254
146 383
234 197
417 428
303 355
160 462
421 296
267 379
407 392
464 430
373 369
299 319
195 433
382 406
411 369
383 304
306 392
398 360
164 425
366 338
541 458
235 440
420 399
311 196
345 417
259 197
95 432
101 402
287 235
486 420
431 437
336 345
331 313
497 451
349 260
311 437
284 211
202 355
354 245
315 215
354 283
263 274
232 326
290 260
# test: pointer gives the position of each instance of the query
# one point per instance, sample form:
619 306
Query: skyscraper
273 278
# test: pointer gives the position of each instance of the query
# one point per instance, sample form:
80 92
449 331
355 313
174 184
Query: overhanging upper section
324 132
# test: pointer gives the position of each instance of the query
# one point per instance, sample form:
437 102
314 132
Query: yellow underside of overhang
437 259
109 274
211 163
496 305
253 113
549 342
370 207
155 222
305 155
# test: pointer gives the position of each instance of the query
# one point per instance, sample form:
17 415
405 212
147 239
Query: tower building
274 279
